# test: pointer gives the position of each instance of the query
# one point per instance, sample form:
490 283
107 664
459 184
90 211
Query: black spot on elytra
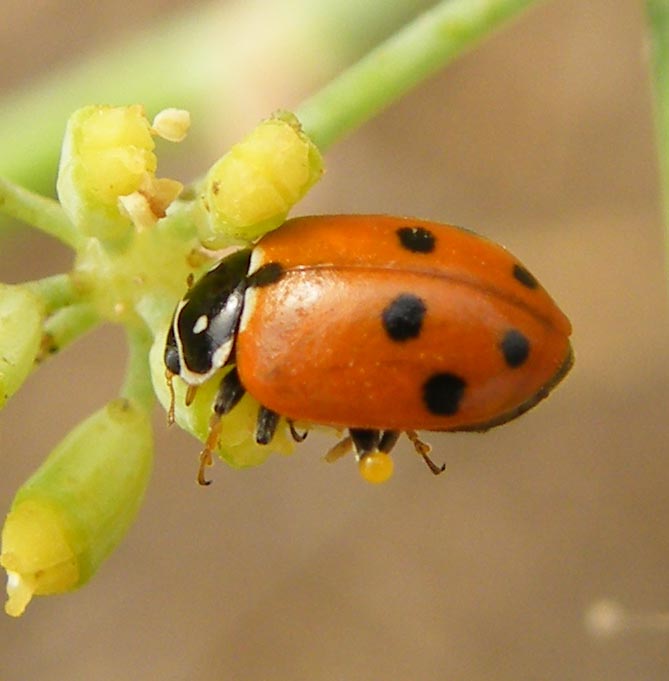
403 317
515 348
525 277
266 275
416 239
442 393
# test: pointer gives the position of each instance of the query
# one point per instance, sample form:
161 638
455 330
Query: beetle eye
172 358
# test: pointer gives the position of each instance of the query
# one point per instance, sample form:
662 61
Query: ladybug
381 325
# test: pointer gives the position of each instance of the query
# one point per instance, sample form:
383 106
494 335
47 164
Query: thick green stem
206 59
137 384
65 326
54 292
38 211
425 45
658 21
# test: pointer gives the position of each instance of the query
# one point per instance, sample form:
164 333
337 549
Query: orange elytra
374 323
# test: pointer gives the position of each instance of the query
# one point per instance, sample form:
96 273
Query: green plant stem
206 59
54 292
38 211
385 74
137 383
65 326
425 45
658 21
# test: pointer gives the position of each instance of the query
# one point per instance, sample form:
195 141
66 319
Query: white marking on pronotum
201 324
250 302
258 259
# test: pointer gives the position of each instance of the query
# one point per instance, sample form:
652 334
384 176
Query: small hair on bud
171 124
150 202
137 207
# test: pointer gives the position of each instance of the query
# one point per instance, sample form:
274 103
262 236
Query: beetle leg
298 437
230 391
365 440
342 448
374 462
206 455
266 425
388 440
423 449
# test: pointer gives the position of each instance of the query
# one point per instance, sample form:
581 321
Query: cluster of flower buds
138 240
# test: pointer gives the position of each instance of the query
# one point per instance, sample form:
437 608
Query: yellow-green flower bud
107 157
251 189
21 316
68 517
237 445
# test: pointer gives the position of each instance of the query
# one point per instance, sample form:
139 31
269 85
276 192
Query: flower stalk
413 54
54 292
21 317
38 211
64 327
67 518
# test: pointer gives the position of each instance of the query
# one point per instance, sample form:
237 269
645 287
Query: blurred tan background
542 139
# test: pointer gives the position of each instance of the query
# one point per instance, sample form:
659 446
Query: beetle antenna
424 449
169 377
